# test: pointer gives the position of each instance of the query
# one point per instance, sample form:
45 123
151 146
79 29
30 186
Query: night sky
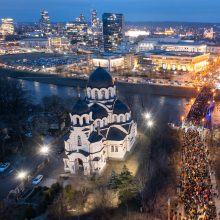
134 10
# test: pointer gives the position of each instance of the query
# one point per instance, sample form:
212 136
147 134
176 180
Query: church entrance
79 165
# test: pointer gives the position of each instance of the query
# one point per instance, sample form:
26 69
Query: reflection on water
164 109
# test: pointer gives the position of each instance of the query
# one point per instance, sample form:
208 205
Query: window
77 121
115 118
112 148
79 141
98 124
127 117
103 94
96 95
116 148
89 93
121 118
84 120
110 93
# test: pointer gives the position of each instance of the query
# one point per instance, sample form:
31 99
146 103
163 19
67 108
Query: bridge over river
201 110
197 188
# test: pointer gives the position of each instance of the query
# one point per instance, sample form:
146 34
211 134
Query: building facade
45 25
7 26
112 31
102 127
176 61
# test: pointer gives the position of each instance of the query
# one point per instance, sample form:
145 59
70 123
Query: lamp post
44 150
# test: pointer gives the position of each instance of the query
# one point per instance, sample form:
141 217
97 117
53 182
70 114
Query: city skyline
140 10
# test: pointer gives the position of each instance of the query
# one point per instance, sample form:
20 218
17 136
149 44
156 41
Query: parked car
37 179
4 166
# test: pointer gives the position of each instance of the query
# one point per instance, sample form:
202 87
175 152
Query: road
51 171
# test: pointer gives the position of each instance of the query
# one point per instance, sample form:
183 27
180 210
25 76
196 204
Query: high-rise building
112 31
76 31
81 18
45 25
94 19
7 26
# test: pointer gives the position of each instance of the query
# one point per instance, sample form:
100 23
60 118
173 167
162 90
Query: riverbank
138 88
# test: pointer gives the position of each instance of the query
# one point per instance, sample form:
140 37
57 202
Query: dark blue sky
134 10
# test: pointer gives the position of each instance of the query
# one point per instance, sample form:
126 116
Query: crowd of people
196 191
199 109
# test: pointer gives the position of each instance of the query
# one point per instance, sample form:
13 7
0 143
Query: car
37 179
4 166
60 151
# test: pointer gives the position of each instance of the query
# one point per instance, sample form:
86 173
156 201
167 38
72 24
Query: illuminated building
102 127
58 42
136 33
114 62
95 22
112 31
35 42
177 61
77 31
7 26
213 49
183 46
45 25
209 34
166 32
81 18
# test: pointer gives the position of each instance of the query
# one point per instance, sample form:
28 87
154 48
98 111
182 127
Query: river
163 109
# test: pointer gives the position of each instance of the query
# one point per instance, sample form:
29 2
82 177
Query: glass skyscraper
112 31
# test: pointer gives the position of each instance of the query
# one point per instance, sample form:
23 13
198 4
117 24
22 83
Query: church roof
100 78
115 134
95 137
80 108
98 112
120 108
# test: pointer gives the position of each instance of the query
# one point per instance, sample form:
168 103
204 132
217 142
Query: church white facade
102 127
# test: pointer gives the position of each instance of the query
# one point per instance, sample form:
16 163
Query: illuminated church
102 127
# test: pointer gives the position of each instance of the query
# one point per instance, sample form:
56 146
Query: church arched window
115 118
79 141
121 118
96 95
109 93
103 94
77 121
116 148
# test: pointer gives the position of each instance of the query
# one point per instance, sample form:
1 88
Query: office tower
45 25
94 19
112 31
7 26
81 18
77 31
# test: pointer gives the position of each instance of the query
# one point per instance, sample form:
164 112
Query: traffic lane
9 180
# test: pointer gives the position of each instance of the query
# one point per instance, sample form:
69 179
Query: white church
102 127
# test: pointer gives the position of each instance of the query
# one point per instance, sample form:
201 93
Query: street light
147 115
44 150
150 123
22 175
